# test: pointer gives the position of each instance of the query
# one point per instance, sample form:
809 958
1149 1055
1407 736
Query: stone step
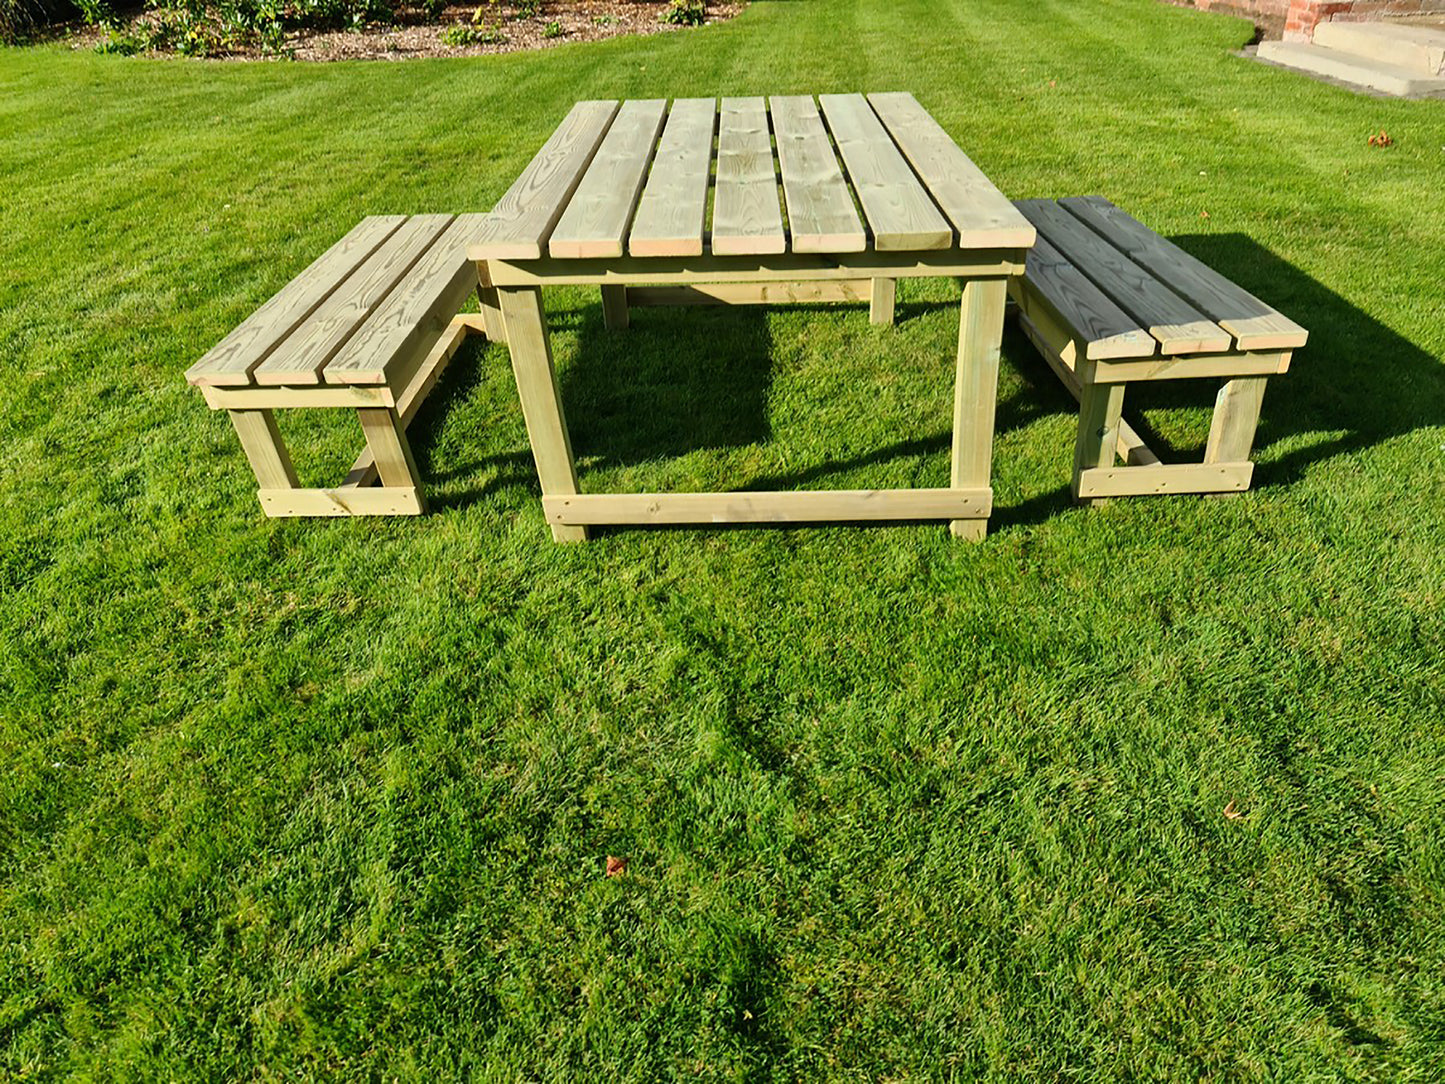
1419 48
1349 68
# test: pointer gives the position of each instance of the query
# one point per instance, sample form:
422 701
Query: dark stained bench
369 326
1109 302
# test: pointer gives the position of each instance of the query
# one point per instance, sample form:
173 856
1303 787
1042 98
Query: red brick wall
1296 19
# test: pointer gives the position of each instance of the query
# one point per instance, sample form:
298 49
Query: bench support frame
384 414
1110 458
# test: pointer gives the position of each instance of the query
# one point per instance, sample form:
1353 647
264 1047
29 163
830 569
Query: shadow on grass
686 379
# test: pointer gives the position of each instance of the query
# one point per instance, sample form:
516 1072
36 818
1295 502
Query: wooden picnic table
618 197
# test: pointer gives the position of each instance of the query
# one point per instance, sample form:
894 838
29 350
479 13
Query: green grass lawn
330 798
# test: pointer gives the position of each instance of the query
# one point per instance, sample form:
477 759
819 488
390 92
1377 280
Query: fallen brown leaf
616 867
1381 139
1232 813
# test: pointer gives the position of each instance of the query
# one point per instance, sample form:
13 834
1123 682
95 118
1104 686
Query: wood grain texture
899 210
300 359
519 225
230 362
422 305
264 448
1179 326
975 396
1104 329
1254 325
349 501
1236 416
595 221
747 219
1168 478
743 293
982 215
672 214
801 506
821 216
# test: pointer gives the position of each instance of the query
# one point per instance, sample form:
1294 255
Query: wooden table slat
300 359
1178 325
672 214
596 219
898 209
231 361
747 219
1254 324
821 216
423 304
521 222
982 214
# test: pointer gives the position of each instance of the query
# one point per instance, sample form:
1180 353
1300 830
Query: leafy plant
460 35
120 41
553 30
685 13
526 9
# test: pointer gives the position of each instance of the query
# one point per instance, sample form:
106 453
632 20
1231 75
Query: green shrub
21 18
553 30
460 35
685 13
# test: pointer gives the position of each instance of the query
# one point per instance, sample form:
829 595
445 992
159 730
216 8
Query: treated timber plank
806 506
672 214
790 266
899 211
421 306
1169 478
1105 330
596 219
766 293
264 448
1189 367
1178 325
1236 416
982 215
230 362
747 219
377 501
321 395
975 394
1254 325
300 359
821 217
522 220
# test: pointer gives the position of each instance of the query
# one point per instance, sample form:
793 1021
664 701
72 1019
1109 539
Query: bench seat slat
299 360
231 361
522 220
747 219
821 217
1105 330
422 305
1254 324
898 209
1178 325
982 214
596 219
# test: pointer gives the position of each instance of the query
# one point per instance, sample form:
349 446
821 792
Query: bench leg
975 396
1098 436
614 307
1236 414
880 306
531 352
264 448
386 440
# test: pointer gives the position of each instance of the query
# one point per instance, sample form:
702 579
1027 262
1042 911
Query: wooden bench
368 327
1109 302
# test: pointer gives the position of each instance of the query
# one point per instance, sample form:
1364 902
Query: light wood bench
367 327
1109 302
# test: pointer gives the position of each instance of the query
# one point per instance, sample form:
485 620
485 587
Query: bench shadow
1355 383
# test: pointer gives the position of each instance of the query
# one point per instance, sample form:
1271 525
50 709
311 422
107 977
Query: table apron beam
789 267
787 506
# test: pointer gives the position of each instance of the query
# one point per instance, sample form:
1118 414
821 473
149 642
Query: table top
748 178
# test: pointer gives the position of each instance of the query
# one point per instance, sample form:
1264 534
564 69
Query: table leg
1097 439
614 307
880 301
264 448
531 349
980 336
487 295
